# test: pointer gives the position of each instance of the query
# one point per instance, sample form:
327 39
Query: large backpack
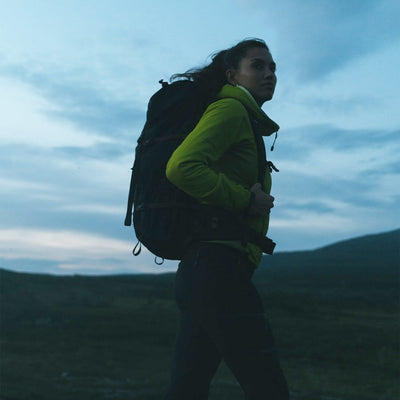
166 220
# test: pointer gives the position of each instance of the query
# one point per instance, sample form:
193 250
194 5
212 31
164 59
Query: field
111 337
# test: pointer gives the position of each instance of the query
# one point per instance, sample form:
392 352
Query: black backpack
166 220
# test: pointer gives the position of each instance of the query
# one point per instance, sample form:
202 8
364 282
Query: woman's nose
269 73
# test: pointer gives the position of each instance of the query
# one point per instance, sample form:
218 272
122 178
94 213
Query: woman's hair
212 77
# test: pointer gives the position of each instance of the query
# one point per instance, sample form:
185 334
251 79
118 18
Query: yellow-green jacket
217 162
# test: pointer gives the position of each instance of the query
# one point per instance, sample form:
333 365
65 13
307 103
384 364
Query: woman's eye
261 66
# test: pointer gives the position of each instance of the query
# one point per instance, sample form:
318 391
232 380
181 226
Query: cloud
58 245
92 208
42 188
331 152
68 251
360 95
321 36
24 121
102 150
298 224
78 100
334 183
32 169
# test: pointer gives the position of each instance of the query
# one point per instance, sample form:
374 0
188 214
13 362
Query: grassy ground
111 338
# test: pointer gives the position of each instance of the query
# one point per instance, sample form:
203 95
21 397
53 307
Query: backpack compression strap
128 217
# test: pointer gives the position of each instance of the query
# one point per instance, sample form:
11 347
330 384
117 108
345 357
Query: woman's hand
261 202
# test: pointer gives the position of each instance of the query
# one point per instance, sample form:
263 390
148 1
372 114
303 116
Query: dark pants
222 317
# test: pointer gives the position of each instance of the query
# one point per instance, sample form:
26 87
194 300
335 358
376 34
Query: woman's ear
230 76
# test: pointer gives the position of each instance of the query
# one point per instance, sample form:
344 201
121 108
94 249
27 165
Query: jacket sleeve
190 167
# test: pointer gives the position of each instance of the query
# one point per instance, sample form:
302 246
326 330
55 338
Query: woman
221 313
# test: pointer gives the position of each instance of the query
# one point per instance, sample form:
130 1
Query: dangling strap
157 262
271 166
128 217
273 144
136 250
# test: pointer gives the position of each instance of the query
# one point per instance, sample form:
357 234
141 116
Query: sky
75 79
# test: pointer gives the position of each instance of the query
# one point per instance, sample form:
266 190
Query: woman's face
256 73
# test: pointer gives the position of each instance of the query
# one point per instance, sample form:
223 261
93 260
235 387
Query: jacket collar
266 125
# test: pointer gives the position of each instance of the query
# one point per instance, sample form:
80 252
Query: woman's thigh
215 278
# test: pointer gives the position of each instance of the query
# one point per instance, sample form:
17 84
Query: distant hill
377 254
367 267
383 245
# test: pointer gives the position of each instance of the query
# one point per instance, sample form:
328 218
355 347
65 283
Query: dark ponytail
212 77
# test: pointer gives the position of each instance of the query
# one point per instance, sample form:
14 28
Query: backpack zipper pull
273 144
271 166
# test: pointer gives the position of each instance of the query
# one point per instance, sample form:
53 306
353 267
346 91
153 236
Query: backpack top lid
174 110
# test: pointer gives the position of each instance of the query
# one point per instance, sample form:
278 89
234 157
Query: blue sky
75 78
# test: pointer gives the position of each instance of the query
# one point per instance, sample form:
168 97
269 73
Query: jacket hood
266 125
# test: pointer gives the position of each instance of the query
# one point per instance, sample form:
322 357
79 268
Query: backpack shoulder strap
128 216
